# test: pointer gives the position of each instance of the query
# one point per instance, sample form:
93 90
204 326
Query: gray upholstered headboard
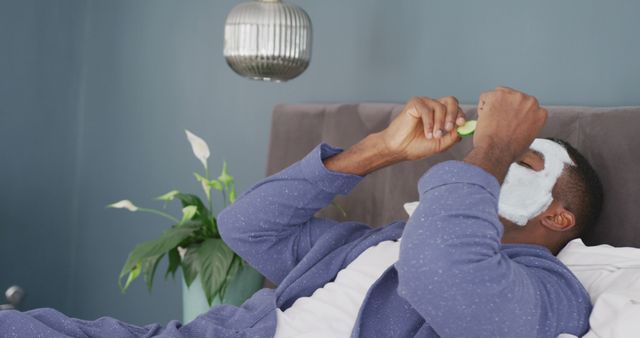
608 137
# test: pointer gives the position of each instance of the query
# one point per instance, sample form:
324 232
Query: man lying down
476 258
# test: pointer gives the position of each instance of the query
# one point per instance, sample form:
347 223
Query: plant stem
159 213
224 195
206 175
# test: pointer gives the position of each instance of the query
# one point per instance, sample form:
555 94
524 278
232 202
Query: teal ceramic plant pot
243 286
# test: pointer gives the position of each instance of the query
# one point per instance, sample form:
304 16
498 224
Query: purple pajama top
454 278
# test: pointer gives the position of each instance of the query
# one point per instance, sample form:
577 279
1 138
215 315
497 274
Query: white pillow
603 268
410 207
612 279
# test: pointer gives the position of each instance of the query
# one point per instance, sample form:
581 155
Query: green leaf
215 184
168 196
232 193
214 258
190 199
203 214
190 265
234 268
133 274
200 178
214 227
224 177
149 266
188 212
169 239
174 262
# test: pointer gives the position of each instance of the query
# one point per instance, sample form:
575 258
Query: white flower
124 204
182 251
199 146
207 189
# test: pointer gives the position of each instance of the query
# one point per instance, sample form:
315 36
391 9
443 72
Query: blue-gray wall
98 94
39 53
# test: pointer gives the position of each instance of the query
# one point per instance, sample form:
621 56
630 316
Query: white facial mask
526 193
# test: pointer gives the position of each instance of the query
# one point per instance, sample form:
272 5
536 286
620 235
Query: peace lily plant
192 243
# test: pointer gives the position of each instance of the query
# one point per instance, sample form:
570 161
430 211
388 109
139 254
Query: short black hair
582 192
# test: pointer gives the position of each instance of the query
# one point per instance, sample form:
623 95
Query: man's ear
557 218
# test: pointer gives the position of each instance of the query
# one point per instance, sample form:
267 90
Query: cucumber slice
467 129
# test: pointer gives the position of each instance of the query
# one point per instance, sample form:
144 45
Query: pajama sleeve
453 272
272 226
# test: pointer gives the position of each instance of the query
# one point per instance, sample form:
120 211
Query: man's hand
423 128
508 121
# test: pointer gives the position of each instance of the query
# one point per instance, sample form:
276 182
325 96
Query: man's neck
515 234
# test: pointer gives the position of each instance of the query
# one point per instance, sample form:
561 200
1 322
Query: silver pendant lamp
268 40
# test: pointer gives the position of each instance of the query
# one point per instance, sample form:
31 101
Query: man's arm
451 268
424 127
272 225
508 121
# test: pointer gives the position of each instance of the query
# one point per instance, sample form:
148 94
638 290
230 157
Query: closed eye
525 164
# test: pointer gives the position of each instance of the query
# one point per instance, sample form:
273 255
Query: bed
607 136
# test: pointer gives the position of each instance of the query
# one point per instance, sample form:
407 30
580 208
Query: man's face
527 188
531 159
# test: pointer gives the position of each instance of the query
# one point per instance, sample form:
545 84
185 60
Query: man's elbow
422 275
229 223
439 270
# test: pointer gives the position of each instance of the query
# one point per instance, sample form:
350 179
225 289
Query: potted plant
192 243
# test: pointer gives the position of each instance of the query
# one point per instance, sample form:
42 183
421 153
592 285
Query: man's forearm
370 154
508 121
417 132
366 156
493 160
